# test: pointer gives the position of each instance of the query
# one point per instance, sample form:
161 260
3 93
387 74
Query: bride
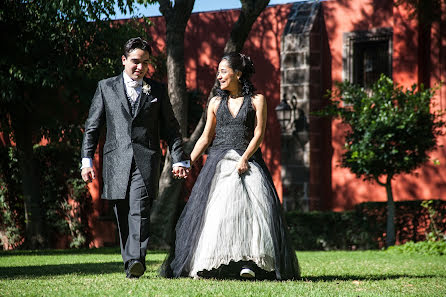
233 225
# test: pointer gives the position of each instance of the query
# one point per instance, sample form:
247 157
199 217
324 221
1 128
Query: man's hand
88 174
180 172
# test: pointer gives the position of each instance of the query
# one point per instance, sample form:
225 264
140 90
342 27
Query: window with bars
367 54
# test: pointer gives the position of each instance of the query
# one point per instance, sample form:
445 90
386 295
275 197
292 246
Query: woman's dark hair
242 63
136 43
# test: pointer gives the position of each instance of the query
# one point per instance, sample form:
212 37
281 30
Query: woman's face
228 78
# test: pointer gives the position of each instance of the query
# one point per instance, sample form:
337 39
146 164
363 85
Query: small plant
434 233
10 233
11 201
75 212
435 243
433 248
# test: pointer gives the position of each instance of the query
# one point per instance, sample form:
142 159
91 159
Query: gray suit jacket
130 137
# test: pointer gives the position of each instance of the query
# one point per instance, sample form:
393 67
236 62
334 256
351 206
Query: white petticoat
237 219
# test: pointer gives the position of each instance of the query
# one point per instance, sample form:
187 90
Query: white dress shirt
128 81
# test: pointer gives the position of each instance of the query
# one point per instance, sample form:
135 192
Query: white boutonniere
146 88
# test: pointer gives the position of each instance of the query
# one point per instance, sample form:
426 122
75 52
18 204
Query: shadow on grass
332 278
64 269
92 251
14 272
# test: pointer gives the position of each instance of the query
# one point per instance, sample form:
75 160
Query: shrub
434 248
11 201
65 197
365 226
331 230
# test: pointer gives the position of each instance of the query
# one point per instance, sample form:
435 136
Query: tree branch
165 8
379 182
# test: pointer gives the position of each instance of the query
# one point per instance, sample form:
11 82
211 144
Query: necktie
131 89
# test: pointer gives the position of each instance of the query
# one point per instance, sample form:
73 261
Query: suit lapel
142 100
119 89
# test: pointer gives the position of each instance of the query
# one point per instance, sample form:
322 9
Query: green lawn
99 272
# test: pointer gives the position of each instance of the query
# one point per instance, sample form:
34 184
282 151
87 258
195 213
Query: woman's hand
242 166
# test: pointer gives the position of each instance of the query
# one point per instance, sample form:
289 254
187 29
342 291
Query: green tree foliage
391 131
53 54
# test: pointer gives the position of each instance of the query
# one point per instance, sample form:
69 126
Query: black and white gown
232 218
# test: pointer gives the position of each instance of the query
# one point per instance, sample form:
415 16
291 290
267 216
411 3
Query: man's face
136 64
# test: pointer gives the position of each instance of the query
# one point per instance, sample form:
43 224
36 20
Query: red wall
342 16
206 36
207 33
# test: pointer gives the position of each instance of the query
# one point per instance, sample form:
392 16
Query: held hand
88 174
242 166
180 172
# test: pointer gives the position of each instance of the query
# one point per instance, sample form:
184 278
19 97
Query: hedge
364 227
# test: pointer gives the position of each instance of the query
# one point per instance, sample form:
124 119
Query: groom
136 113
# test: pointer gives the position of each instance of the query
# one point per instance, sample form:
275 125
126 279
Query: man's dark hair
136 43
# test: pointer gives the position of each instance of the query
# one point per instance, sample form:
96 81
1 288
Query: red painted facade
206 35
205 38
429 181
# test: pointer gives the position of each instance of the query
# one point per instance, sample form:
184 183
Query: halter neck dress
231 218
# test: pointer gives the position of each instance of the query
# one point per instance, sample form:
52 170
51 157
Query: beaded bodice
234 132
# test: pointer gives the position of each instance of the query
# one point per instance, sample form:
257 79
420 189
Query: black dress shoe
128 275
134 269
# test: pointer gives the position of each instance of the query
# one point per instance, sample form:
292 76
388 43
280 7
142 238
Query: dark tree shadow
375 277
36 271
100 251
60 269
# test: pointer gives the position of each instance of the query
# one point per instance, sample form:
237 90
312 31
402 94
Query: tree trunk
163 217
424 53
390 230
176 74
164 209
22 127
176 18
249 12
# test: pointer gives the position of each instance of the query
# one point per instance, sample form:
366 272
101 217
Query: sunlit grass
99 272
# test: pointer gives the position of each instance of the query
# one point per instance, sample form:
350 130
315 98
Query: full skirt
232 218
